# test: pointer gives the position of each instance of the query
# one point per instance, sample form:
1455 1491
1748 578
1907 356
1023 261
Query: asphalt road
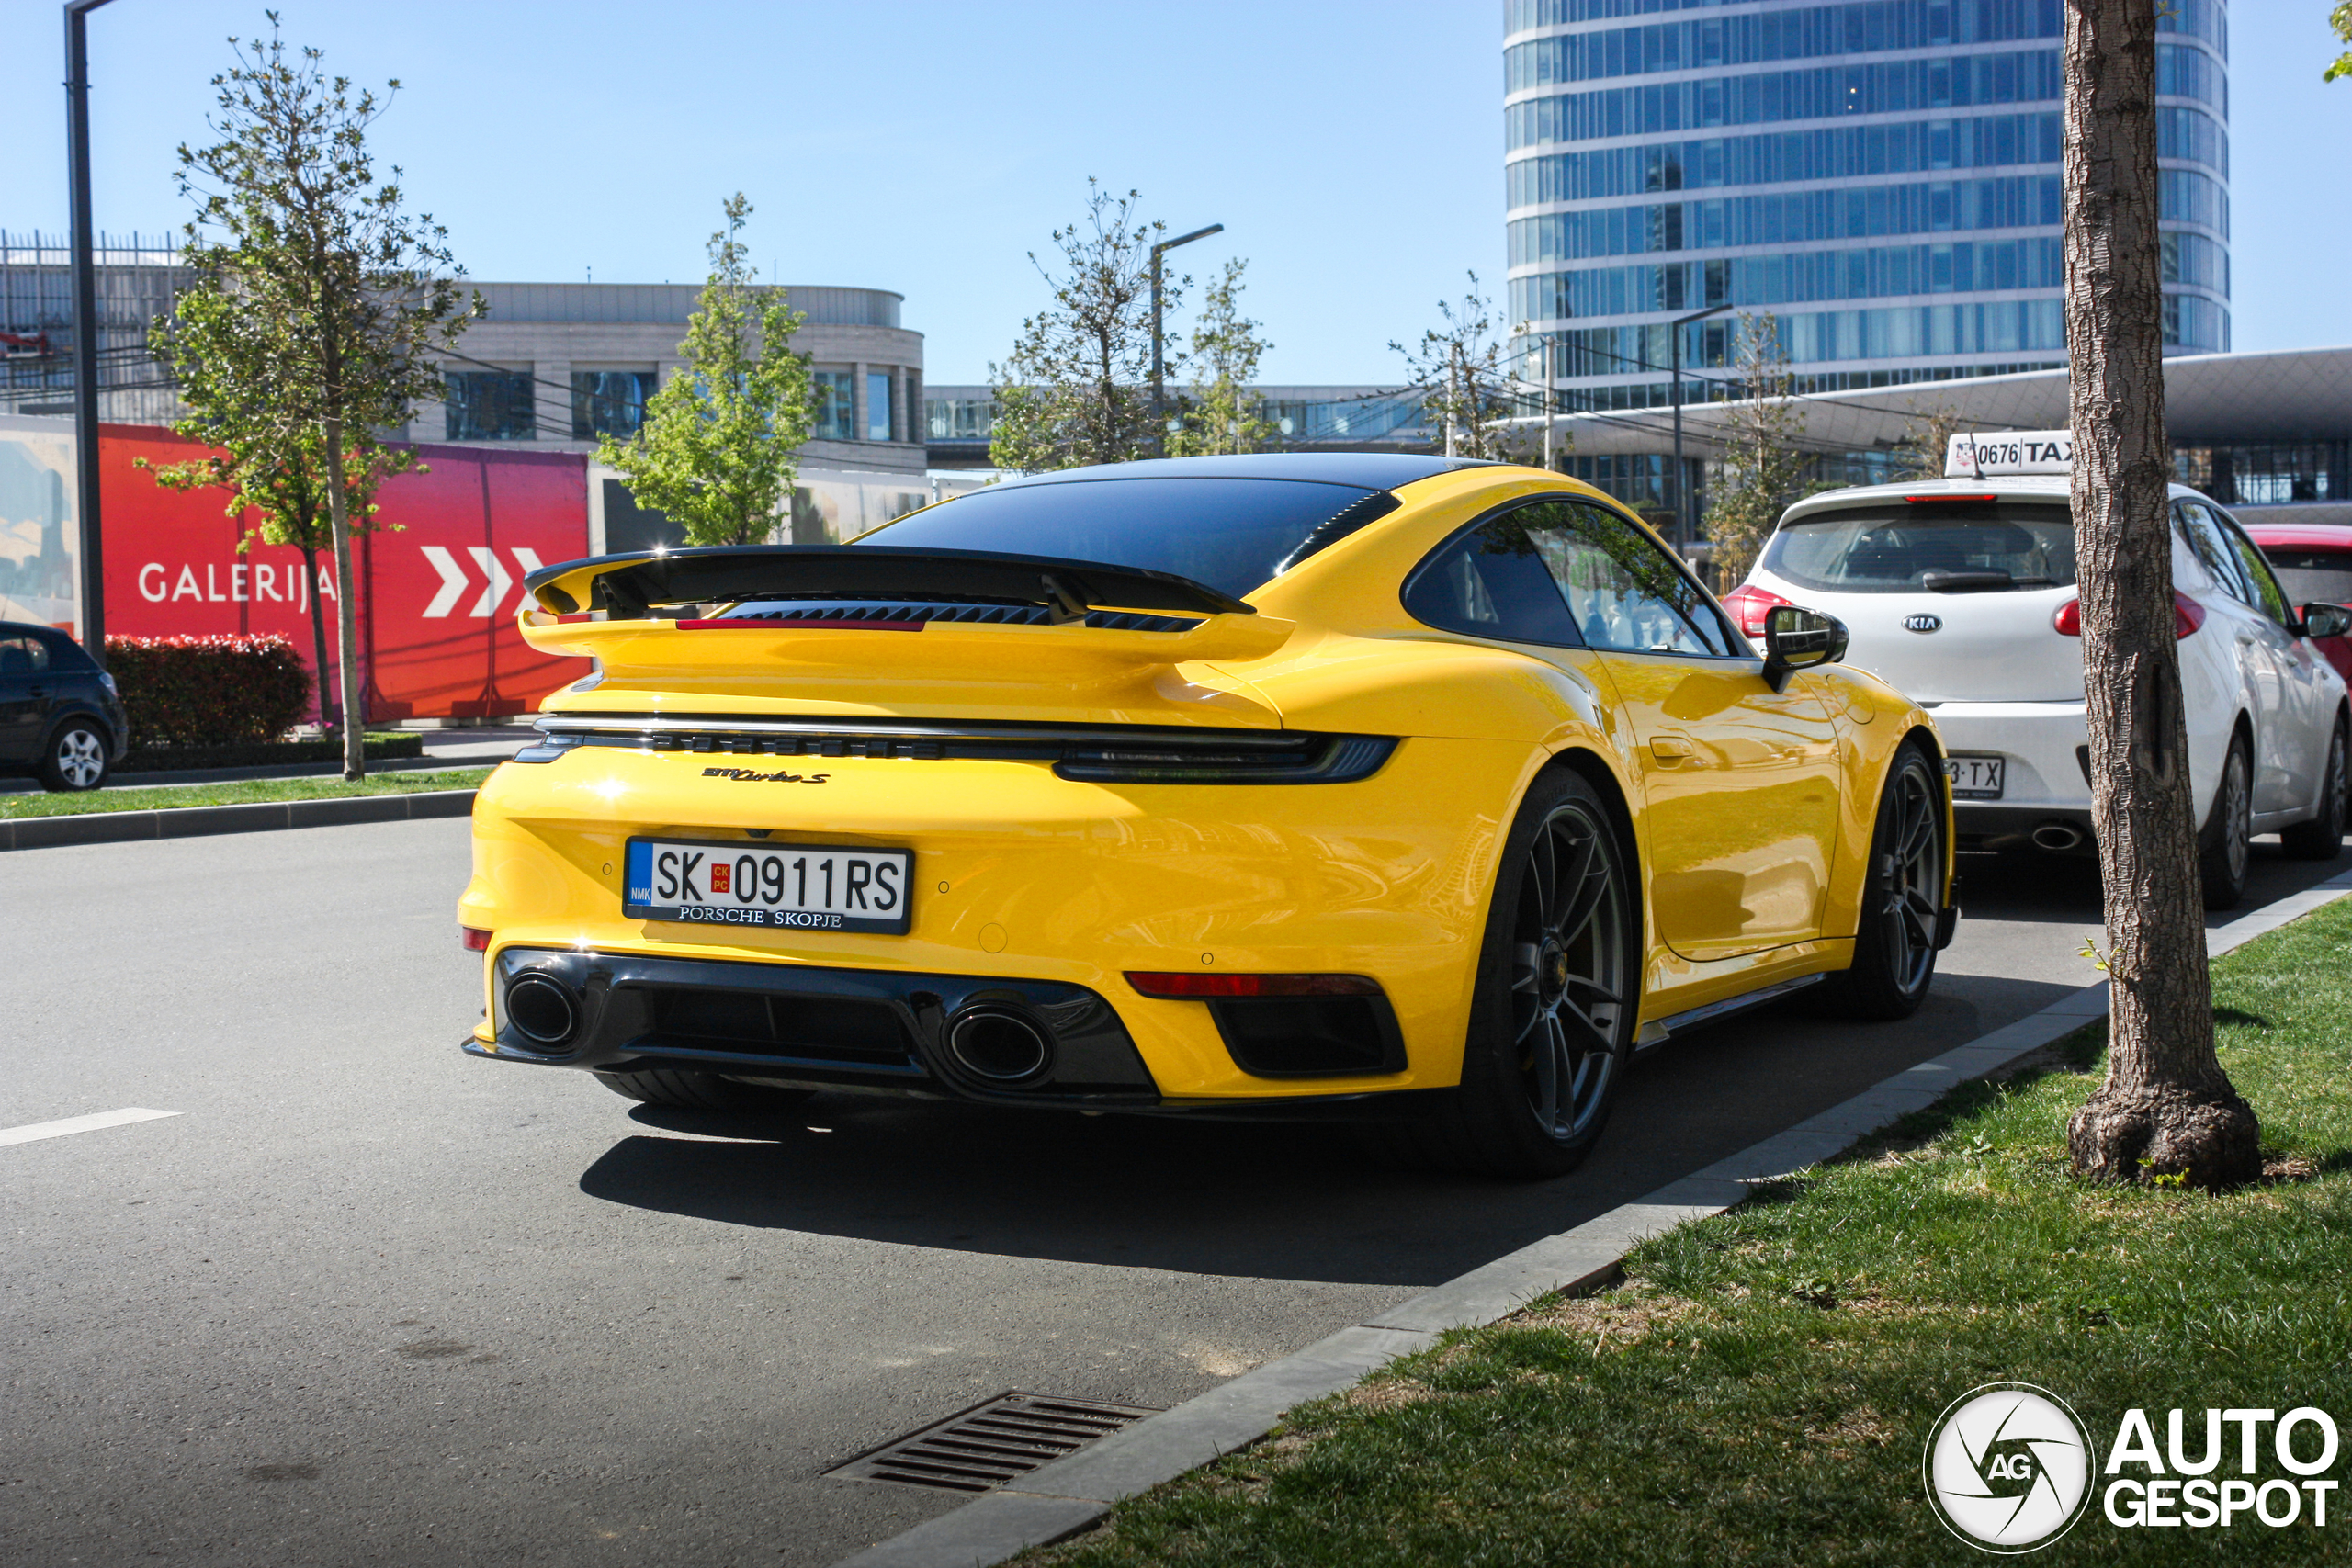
367 1300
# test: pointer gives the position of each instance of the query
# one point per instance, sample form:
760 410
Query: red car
2313 561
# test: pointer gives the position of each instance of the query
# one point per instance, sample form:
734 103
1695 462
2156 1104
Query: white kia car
1961 591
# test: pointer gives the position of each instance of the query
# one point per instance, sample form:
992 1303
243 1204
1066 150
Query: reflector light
1749 606
2187 615
1185 985
473 939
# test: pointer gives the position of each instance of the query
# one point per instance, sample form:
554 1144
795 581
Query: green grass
1760 1388
237 791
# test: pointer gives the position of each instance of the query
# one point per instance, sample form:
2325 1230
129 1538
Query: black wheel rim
1568 977
1915 880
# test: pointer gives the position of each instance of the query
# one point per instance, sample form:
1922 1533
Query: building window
877 405
960 418
829 392
609 402
490 405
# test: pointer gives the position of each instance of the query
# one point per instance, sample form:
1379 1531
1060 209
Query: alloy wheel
1914 882
81 759
1568 974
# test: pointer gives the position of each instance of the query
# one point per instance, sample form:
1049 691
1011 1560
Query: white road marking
79 1125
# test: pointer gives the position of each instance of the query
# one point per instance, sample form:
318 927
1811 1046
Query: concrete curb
1071 1495
254 816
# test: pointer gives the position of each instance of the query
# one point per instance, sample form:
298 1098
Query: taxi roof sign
1976 457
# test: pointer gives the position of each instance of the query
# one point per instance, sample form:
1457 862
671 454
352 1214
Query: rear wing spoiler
631 587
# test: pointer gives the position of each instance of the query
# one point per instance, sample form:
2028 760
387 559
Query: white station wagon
1960 592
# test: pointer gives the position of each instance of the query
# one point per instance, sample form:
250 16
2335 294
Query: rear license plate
817 888
1974 778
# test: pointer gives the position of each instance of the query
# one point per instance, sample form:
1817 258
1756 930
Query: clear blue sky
1352 150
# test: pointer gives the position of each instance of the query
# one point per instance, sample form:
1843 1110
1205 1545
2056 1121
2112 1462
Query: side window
23 656
2268 597
1625 591
2204 536
1491 583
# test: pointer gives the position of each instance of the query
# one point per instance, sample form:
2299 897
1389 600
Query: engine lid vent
993 1443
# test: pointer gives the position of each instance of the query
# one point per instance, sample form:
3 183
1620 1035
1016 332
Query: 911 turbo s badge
753 775
1923 623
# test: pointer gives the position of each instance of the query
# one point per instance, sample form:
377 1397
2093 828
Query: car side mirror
2326 620
1797 639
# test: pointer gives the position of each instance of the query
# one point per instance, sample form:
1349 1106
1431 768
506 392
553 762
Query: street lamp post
1681 501
1158 368
86 329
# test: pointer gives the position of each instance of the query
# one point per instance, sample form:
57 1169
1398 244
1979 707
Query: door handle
1670 748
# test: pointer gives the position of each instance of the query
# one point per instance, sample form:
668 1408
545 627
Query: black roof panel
1368 470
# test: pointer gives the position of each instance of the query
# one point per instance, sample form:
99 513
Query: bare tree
1763 466
1464 373
1075 388
2166 1106
1927 439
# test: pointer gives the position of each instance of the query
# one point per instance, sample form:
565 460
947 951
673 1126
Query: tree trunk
2166 1106
346 618
318 635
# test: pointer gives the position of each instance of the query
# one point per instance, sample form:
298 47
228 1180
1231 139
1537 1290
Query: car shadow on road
2065 889
1300 1202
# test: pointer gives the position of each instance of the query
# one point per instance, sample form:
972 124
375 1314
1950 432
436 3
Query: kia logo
1923 623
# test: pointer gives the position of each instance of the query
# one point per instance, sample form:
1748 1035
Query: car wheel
2322 838
699 1091
1558 994
76 758
2227 844
1903 895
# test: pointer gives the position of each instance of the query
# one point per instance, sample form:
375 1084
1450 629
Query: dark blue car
61 719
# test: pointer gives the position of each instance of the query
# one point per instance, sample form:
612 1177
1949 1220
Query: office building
1880 176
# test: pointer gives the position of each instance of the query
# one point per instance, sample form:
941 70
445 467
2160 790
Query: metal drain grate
992 1443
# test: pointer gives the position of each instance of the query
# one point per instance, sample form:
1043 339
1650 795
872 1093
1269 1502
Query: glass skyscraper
1880 176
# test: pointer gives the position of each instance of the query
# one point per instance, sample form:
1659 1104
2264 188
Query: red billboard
439 580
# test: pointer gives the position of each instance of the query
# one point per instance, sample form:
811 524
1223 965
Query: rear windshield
1974 547
2313 577
1230 534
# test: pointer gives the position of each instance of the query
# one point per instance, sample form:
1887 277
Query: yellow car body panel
1751 812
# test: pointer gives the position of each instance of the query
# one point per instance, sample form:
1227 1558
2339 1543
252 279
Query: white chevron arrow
453 582
495 570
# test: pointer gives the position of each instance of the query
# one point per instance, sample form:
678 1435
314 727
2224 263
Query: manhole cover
994 1442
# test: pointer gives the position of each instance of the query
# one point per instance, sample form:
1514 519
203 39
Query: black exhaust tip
541 1010
999 1044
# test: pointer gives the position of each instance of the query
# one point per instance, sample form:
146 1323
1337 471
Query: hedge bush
208 690
267 754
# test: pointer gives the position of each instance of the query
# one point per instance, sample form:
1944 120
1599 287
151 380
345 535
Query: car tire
77 757
699 1091
1903 897
1557 995
2226 846
2322 838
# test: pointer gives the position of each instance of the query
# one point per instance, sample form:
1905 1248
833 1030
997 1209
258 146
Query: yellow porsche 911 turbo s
1393 786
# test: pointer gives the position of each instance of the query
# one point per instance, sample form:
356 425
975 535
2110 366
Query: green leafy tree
718 450
1076 389
319 302
275 471
1463 371
1221 413
1763 466
2341 20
